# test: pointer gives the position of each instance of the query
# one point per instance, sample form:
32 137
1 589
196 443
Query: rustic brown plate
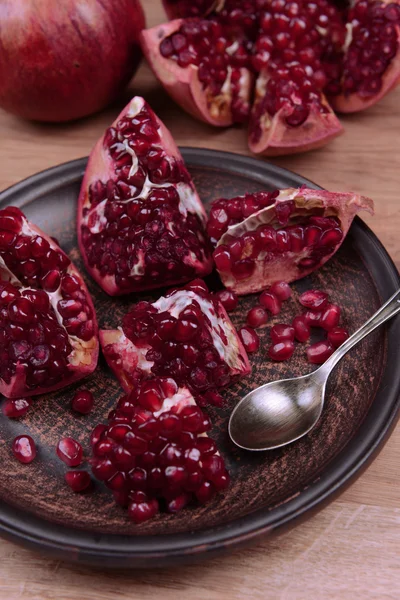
269 490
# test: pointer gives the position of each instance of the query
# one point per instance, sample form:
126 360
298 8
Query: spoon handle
386 312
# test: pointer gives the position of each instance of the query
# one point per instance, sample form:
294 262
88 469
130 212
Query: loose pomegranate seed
301 329
314 300
228 299
140 512
24 449
318 353
281 351
78 481
282 290
250 339
270 302
69 451
337 336
16 408
282 332
83 402
257 316
312 318
330 317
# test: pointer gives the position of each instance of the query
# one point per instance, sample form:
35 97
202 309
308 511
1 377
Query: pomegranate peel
305 228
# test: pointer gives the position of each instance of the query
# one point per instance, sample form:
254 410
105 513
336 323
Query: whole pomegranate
63 60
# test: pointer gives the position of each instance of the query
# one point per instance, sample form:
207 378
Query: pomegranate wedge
286 234
140 220
48 328
186 335
201 69
154 448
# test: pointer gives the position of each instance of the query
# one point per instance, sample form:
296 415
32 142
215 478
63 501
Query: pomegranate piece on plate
140 220
371 64
48 327
203 67
154 448
186 335
288 239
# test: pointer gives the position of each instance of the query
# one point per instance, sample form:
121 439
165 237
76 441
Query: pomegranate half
186 335
64 60
48 327
141 224
278 235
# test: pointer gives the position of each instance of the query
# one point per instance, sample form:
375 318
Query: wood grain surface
349 550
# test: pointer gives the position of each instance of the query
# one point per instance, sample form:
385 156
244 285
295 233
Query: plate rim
115 550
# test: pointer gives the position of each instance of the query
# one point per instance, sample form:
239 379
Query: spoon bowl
281 412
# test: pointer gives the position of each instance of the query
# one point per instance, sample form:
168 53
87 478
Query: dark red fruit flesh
318 353
281 351
301 329
250 339
70 451
24 449
16 408
141 224
78 481
337 336
257 317
83 402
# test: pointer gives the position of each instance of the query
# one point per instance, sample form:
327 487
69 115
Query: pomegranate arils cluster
186 335
48 330
140 222
154 453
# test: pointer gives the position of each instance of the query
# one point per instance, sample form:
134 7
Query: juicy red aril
270 302
69 451
16 408
312 318
228 299
142 511
82 402
281 290
24 448
250 339
314 299
318 353
257 316
78 481
337 336
282 350
330 317
282 332
301 329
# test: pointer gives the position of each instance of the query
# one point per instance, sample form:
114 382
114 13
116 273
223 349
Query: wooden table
349 550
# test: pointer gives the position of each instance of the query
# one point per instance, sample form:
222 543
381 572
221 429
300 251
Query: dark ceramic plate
269 490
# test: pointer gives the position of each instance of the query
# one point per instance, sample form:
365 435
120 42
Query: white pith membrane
96 221
124 356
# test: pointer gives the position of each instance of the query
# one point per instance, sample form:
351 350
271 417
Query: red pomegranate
186 335
63 60
283 234
141 224
155 448
48 327
307 56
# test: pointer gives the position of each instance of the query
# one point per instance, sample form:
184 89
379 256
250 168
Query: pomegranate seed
140 512
337 336
330 317
78 481
24 449
281 290
270 302
16 408
281 351
312 318
301 329
318 353
314 300
69 451
83 402
228 299
250 339
282 332
257 316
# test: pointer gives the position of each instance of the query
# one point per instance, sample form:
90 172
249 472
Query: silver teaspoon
280 412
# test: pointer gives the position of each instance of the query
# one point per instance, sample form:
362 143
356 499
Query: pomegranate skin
61 61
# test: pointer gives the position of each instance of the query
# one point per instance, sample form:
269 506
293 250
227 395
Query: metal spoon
280 412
